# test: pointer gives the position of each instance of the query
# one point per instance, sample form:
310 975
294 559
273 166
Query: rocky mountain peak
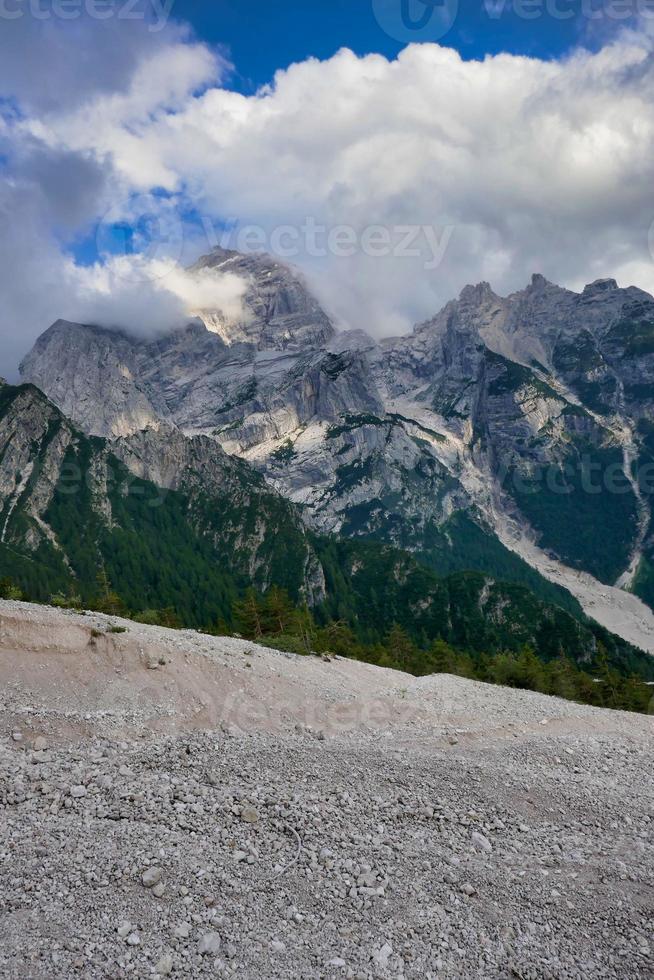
238 262
542 289
280 312
475 295
599 287
540 285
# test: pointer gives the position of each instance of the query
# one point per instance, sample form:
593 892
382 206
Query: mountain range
508 439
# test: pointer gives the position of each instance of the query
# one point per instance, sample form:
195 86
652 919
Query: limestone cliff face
92 375
33 443
486 409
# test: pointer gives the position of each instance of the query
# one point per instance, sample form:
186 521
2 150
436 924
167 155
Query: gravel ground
158 819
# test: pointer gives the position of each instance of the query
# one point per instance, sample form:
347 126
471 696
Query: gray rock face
33 443
490 408
173 461
281 312
92 375
545 387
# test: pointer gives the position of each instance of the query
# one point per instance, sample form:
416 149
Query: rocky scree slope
158 819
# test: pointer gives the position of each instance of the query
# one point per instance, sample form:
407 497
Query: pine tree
442 658
609 678
305 627
637 696
109 602
561 678
529 671
247 615
8 590
503 669
278 611
169 617
400 647
337 638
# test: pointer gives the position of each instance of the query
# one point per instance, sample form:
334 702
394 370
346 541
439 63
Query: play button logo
416 20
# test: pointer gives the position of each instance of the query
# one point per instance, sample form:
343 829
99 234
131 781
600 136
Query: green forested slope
75 521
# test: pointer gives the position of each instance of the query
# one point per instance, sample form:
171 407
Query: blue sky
265 35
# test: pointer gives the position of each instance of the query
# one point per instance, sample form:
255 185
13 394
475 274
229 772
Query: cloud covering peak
392 183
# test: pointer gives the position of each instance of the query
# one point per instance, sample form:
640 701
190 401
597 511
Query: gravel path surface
158 819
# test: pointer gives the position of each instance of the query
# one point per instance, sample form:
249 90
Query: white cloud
116 125
148 297
47 64
56 185
39 283
537 166
533 165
